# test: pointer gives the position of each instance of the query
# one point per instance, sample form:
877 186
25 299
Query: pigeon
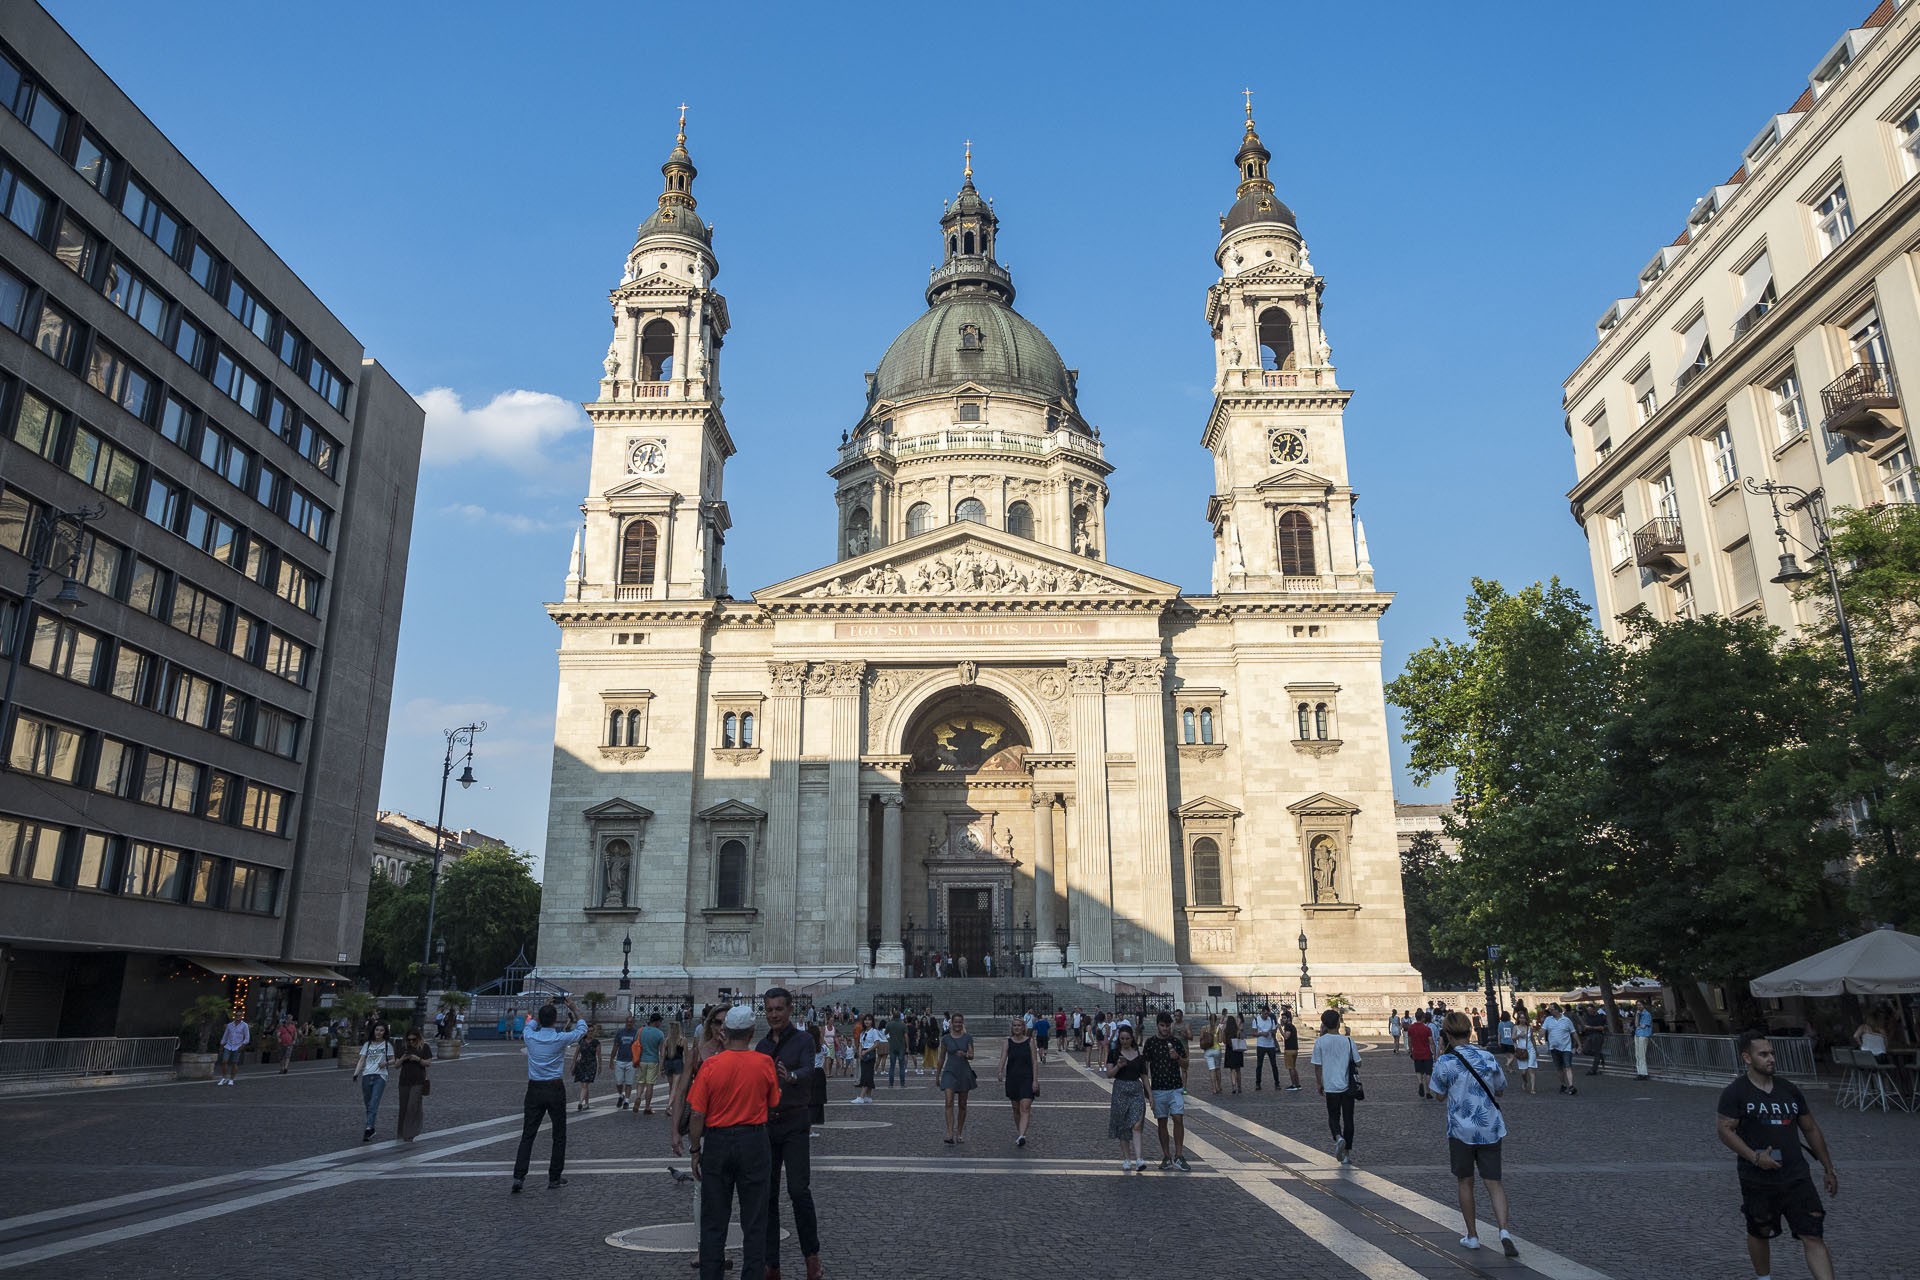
678 1176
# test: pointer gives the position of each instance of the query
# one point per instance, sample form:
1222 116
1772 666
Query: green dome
683 222
1013 355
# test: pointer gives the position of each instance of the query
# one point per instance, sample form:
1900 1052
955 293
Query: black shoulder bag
1455 1053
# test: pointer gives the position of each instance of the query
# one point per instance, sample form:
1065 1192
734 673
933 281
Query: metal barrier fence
1019 1002
1714 1056
1142 1002
32 1059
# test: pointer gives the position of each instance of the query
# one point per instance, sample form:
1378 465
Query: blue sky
461 185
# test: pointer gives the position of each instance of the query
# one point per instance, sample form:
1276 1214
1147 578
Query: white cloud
508 520
515 427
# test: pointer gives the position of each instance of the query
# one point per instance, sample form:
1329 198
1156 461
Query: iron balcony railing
105 1055
1859 393
1658 541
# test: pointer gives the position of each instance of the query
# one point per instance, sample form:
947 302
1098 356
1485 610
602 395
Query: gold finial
968 174
683 123
1249 97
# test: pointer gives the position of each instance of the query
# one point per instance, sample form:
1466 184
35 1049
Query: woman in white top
1871 1036
1393 1029
371 1071
1526 1054
871 1038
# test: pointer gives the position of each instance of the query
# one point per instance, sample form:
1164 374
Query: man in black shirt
788 1131
1761 1121
1166 1056
1290 1049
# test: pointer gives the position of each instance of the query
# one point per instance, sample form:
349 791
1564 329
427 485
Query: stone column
1093 862
846 934
682 344
892 960
783 816
1144 677
1046 952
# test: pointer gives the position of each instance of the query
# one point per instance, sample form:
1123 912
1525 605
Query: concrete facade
1767 341
196 752
971 734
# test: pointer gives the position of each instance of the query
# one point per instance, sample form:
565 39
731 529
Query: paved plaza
269 1178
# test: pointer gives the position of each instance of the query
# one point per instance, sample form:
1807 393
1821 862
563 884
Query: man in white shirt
1267 1049
546 1091
1560 1040
1334 1061
233 1040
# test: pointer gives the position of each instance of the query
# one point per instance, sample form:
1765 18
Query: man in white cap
727 1135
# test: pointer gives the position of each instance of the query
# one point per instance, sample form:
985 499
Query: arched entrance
968 837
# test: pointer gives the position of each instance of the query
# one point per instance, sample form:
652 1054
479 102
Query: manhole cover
672 1237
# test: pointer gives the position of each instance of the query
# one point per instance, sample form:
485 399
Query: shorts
1041 1036
623 1071
1213 1059
231 1055
1423 1066
1293 1056
1765 1204
1562 1059
1466 1157
1169 1102
646 1073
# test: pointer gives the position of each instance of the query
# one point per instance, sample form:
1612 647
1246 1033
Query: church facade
971 739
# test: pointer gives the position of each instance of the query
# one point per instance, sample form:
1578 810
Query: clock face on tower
1286 446
646 458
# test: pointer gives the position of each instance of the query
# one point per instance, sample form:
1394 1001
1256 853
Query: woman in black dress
1236 1050
1019 1070
586 1066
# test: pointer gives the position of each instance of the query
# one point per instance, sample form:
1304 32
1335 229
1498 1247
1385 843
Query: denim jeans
371 1087
897 1067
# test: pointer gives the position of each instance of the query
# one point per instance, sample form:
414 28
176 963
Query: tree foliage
488 907
1425 882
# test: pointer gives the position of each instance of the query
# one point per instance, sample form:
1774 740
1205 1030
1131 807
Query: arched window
639 546
1320 720
953 245
969 242
614 723
1206 725
730 730
1186 726
633 728
730 876
971 509
1020 520
746 729
1306 723
859 532
1296 545
919 518
656 352
1206 872
1276 339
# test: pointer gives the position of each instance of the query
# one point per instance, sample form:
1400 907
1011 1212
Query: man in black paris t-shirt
1761 1121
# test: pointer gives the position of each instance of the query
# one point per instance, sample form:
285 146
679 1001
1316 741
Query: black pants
1340 1116
792 1152
544 1098
734 1160
1264 1056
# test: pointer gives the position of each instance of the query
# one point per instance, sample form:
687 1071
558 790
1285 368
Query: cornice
1270 400
948 606
653 612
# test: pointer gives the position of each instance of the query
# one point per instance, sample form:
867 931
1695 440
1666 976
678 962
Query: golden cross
1249 94
969 172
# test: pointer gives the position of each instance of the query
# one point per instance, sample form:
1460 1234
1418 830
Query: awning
1880 963
1693 344
311 972
1753 283
229 967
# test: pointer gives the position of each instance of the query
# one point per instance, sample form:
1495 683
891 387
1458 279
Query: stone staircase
974 997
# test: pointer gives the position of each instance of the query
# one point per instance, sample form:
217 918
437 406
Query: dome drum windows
623 720
970 509
919 518
1020 520
737 721
1316 720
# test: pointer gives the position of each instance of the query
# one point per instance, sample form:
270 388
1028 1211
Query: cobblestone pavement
1623 1182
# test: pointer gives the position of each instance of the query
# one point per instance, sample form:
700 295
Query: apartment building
200 702
1767 340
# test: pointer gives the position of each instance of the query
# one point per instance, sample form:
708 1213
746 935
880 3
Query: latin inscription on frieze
1032 629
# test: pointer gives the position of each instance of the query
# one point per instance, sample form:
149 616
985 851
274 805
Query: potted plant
353 1008
204 1016
1345 1006
454 1002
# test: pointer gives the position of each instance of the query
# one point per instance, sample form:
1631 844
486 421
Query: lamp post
1306 979
626 950
440 959
1791 573
42 536
463 736
1493 998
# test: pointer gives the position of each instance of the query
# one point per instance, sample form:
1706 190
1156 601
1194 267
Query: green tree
489 908
1878 553
396 929
1515 713
1424 883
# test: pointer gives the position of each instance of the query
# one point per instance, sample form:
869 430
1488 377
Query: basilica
972 740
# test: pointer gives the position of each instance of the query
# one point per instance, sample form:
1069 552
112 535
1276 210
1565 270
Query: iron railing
1865 387
105 1055
1012 1005
1140 1003
1657 541
1712 1056
1250 1002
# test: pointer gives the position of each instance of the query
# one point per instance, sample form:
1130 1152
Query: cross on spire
969 169
683 122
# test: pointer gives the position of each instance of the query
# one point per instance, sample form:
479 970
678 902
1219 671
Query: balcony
974 440
1658 544
633 591
1863 402
651 390
1251 378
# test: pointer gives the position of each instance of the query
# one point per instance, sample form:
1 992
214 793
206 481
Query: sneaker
1126 1166
1020 1140
1571 1091
1507 1245
1166 1164
1293 1088
517 1185
1470 1242
1563 1088
1180 1163
555 1182
1340 1150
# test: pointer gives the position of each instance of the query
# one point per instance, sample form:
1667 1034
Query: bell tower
655 517
1282 512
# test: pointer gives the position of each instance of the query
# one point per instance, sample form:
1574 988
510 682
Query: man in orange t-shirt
727 1133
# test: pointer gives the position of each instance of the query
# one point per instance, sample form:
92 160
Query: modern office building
1768 340
201 687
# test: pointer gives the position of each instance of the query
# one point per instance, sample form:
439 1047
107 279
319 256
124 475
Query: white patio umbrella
1881 963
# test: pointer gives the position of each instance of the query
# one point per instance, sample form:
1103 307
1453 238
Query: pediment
964 560
731 811
1321 803
641 487
1207 807
654 281
617 810
1295 478
1276 270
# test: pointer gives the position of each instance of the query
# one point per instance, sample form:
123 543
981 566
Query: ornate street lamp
463 736
440 957
1306 979
1493 998
626 950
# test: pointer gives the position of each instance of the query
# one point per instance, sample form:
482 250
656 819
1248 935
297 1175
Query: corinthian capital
1086 675
788 678
844 678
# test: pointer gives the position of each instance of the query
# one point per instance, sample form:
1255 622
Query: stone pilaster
1046 952
1092 898
846 936
892 959
783 813
1153 908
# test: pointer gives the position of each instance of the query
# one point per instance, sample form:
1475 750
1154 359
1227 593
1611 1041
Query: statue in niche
613 875
1005 846
1325 864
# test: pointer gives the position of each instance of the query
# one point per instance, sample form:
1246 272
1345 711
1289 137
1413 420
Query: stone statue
612 362
613 887
1236 559
936 847
1005 847
1324 866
